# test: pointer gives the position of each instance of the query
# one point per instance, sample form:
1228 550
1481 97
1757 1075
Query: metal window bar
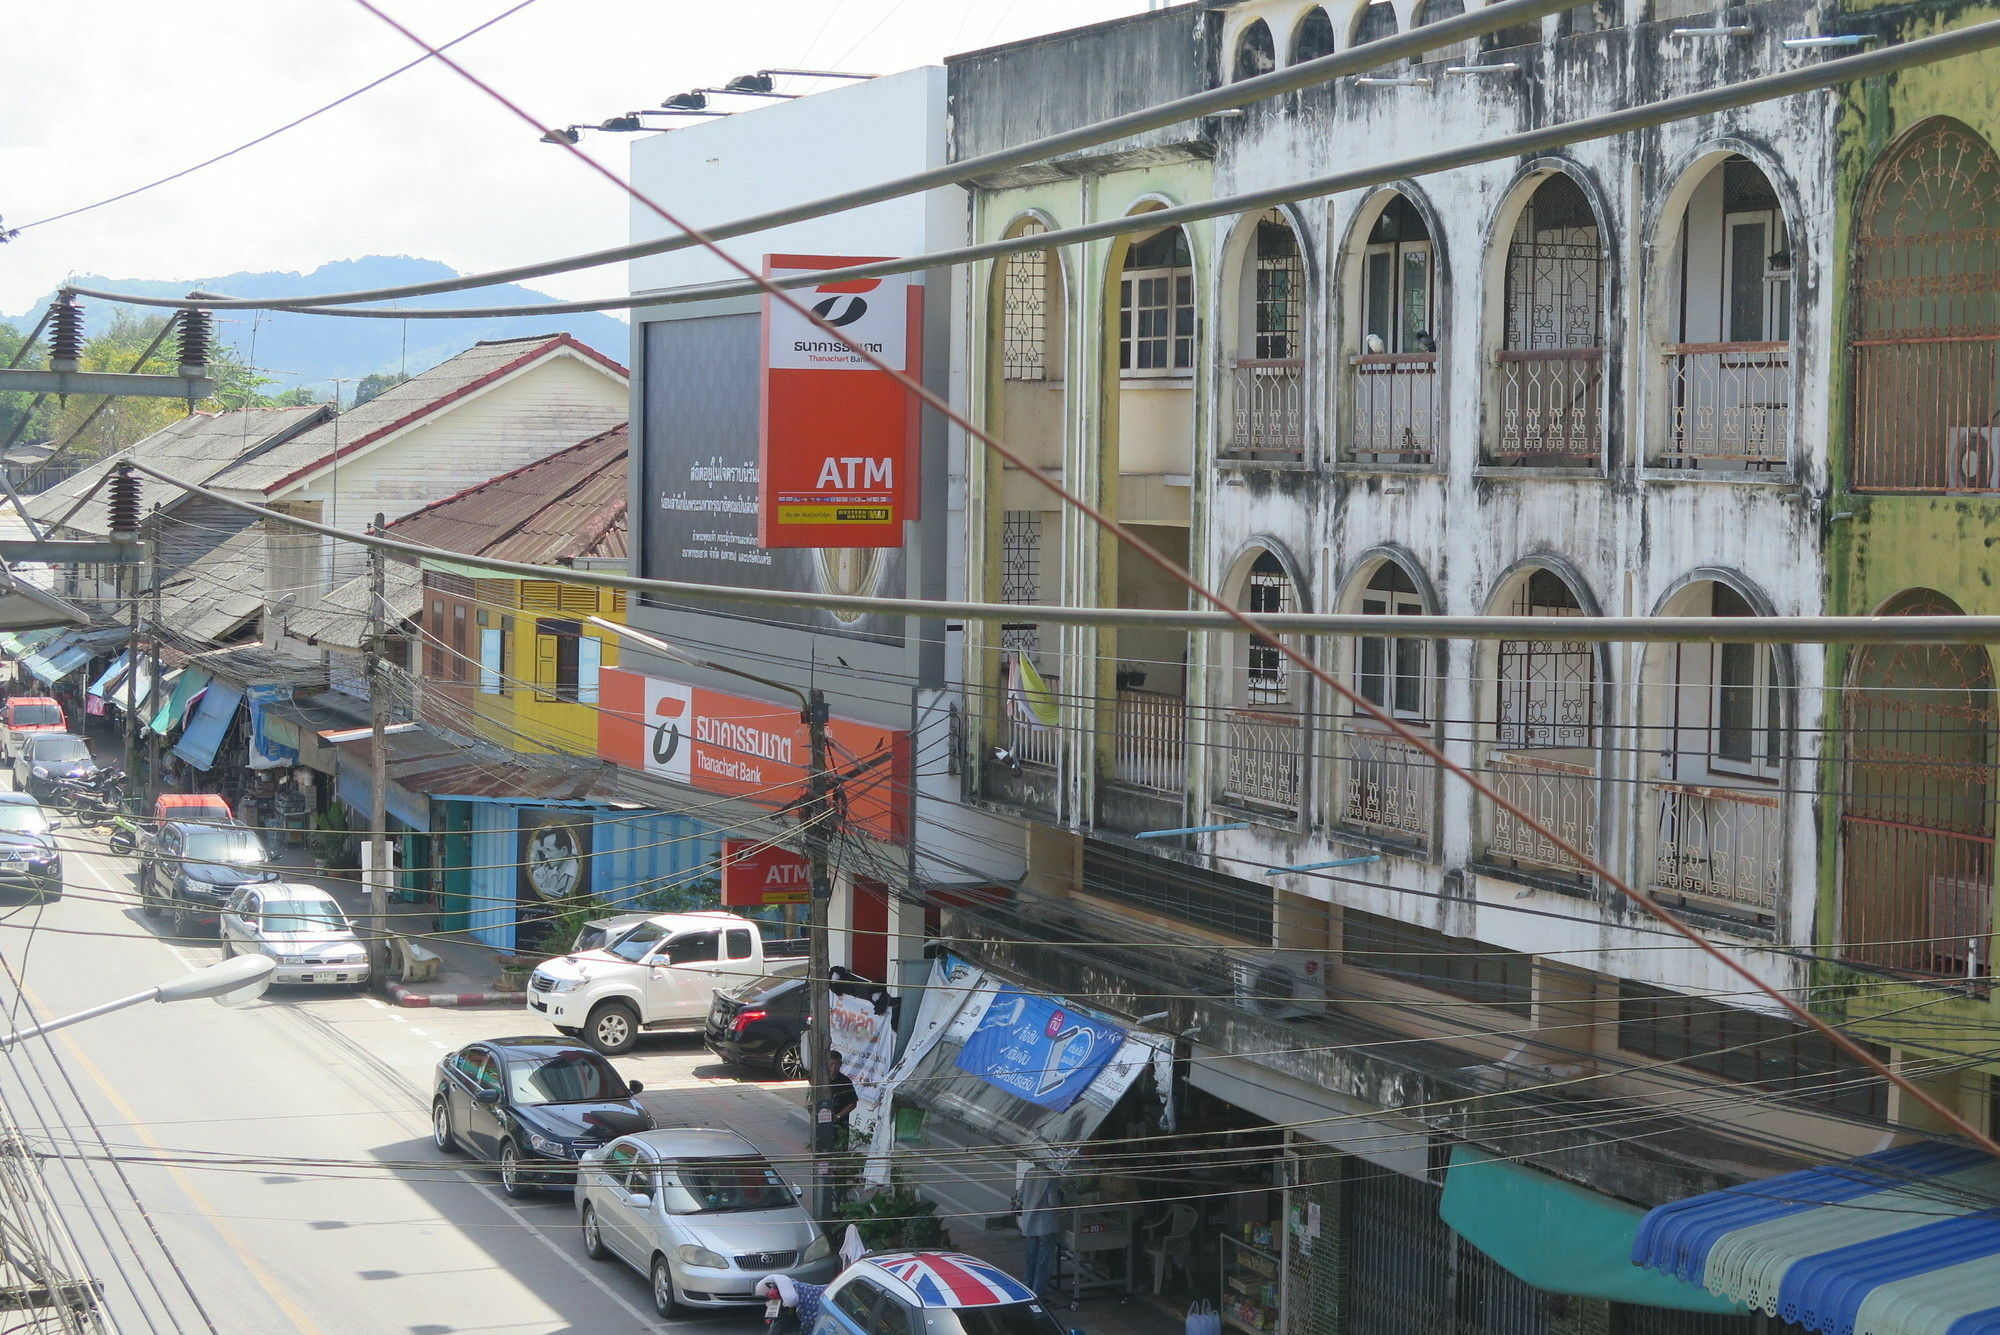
1732 406
1024 311
1264 758
1021 575
1552 357
1149 740
1718 848
1557 788
1395 410
1268 403
1386 786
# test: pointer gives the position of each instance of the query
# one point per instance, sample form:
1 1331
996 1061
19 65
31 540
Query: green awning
1558 1236
186 687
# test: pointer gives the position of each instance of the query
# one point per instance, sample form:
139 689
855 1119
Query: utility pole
125 528
817 846
376 858
155 697
134 580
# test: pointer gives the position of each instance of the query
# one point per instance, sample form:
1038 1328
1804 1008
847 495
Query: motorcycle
98 799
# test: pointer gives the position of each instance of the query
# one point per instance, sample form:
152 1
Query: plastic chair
1172 1245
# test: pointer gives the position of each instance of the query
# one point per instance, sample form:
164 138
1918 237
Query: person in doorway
1038 1204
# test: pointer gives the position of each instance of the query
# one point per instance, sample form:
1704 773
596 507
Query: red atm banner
756 874
837 465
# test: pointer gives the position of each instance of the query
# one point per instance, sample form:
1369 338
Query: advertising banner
839 439
1037 1050
757 874
753 749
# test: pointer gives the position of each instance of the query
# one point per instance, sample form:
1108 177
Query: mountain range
294 349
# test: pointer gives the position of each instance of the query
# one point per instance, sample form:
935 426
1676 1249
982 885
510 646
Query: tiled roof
400 406
340 620
193 449
566 507
254 665
212 597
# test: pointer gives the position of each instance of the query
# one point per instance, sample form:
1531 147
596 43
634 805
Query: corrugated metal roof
565 507
193 449
254 665
340 620
398 407
211 598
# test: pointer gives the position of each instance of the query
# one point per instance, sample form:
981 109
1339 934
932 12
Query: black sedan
530 1104
762 1023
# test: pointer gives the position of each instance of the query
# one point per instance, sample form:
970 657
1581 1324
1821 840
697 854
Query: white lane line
441 1047
376 1002
397 1018
420 1033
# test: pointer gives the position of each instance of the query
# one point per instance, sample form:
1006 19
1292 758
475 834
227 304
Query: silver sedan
299 926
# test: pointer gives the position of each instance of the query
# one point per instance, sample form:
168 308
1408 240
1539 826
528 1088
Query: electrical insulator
65 335
196 330
121 499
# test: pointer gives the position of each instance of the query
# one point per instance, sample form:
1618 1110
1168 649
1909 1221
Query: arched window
1916 870
1374 22
1024 311
1267 386
1313 37
1394 404
1156 306
1387 787
1433 11
1729 355
1263 728
1256 52
1927 316
1552 353
1545 717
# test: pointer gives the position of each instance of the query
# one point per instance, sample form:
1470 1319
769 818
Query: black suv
762 1023
194 867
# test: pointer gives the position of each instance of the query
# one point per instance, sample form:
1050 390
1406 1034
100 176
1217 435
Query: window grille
1020 574
1024 312
1269 592
1281 284
1547 688
1555 272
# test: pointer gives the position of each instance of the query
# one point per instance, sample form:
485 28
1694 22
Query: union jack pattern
953 1279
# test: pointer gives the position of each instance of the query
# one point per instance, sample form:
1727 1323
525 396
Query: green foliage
371 386
555 934
894 1218
334 841
680 897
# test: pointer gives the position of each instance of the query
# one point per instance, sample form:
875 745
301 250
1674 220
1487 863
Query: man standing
1038 1201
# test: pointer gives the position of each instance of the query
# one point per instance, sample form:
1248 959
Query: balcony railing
1558 788
1387 786
1264 758
1732 406
1395 407
1550 414
1719 847
1149 740
1927 413
1916 899
1268 399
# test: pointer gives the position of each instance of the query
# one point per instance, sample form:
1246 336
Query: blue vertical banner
1037 1050
265 753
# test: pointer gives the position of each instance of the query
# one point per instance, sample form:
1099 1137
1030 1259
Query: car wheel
512 1180
613 1028
183 922
148 904
121 843
790 1064
666 1301
441 1127
593 1237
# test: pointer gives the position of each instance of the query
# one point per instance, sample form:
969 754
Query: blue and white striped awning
1905 1242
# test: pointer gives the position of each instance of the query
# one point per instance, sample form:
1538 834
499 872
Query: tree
15 407
379 383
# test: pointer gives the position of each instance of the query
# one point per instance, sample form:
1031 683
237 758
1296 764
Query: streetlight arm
244 977
9 1040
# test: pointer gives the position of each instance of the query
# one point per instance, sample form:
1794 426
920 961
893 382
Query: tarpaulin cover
208 725
1038 1050
58 660
186 687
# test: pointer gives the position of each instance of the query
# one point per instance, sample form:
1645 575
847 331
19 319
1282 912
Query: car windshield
20 818
564 1077
303 915
1001 1319
60 750
720 1186
639 942
224 846
768 988
37 716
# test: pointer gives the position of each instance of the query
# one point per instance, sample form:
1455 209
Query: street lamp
232 983
813 815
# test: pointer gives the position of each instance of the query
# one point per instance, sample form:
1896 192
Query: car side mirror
488 1096
639 1200
635 1087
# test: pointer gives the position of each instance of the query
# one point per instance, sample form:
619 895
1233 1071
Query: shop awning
58 659
208 725
110 675
1904 1242
186 686
1558 1236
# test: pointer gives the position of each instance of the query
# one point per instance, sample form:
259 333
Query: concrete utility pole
135 581
155 697
375 861
817 845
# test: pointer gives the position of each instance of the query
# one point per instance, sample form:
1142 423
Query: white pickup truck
659 971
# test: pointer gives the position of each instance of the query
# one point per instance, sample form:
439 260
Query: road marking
420 1033
441 1047
376 1003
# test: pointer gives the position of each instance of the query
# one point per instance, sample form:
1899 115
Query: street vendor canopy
1904 1242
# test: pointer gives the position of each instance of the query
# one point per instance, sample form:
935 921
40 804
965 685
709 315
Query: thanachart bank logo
846 305
669 728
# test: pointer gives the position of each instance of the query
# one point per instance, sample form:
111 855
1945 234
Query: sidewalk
466 969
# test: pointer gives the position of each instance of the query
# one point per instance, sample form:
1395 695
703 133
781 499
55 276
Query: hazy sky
97 96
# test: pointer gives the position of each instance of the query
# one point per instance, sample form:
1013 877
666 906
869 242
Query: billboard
753 749
838 456
700 439
757 874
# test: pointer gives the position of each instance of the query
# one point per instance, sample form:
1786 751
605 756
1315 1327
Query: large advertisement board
839 456
700 433
752 749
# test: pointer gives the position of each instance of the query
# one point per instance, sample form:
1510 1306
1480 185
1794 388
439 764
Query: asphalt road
280 1153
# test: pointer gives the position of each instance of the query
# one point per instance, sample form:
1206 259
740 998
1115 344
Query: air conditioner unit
1281 985
1972 458
1957 924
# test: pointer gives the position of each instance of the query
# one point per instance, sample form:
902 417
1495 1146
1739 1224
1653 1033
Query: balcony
1550 414
1149 741
1925 413
1718 848
1387 786
1395 408
1558 788
1917 899
1268 401
1732 406
1264 759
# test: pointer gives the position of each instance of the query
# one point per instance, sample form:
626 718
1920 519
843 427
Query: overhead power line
1292 78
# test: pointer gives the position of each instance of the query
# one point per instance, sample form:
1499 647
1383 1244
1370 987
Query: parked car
701 1214
659 973
24 716
935 1293
300 926
762 1022
29 858
44 759
131 834
194 867
532 1105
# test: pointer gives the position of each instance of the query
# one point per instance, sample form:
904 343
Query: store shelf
1251 1277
